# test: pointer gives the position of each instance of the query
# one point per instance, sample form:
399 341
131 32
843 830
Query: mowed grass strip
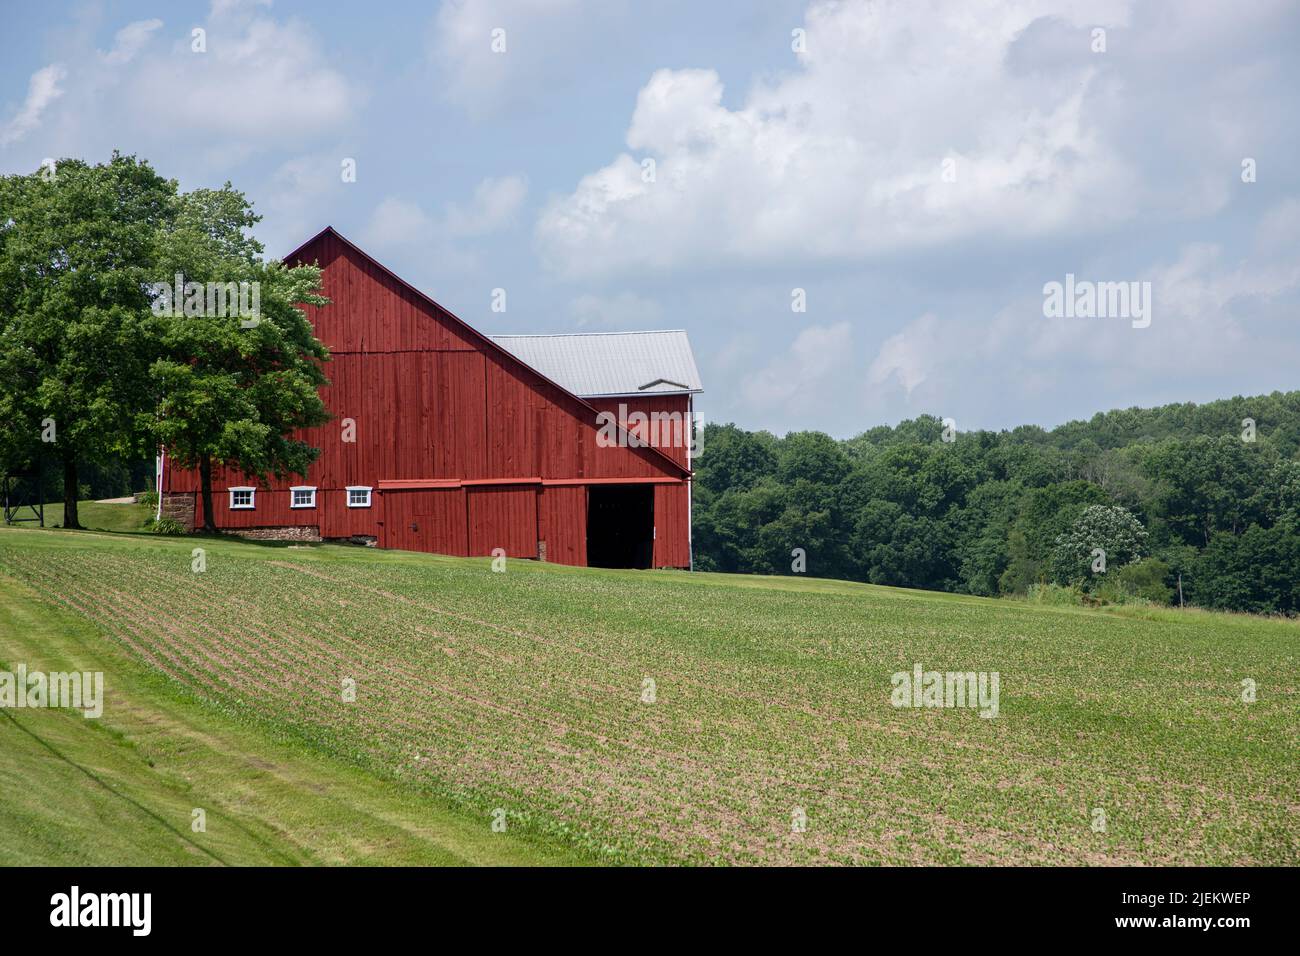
524 691
121 790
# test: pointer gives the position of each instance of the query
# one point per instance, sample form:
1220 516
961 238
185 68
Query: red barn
567 448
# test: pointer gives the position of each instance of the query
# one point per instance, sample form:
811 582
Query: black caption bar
215 905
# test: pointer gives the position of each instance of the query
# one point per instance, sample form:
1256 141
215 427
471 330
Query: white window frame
293 491
252 498
368 489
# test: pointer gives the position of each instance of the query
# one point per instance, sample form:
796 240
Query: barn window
358 496
303 496
242 499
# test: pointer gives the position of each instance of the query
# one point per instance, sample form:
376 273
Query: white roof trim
676 391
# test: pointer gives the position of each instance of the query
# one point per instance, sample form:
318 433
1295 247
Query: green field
526 692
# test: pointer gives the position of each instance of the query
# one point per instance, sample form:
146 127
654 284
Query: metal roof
596 364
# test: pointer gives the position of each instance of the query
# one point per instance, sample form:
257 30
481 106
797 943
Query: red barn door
502 516
430 520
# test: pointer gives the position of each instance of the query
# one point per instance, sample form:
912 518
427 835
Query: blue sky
920 170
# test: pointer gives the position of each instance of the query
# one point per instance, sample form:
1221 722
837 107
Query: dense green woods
1117 508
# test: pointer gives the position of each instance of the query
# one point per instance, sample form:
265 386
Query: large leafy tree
1110 531
1257 570
77 255
1042 514
1210 484
812 456
733 459
231 389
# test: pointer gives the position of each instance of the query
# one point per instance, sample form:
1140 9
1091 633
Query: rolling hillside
617 717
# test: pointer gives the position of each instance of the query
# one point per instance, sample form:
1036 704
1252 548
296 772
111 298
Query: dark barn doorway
620 526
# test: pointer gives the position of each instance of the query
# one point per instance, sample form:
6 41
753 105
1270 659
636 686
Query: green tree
1257 570
984 526
1207 485
1044 514
78 252
732 458
812 531
1145 579
813 456
1102 540
983 514
231 390
729 524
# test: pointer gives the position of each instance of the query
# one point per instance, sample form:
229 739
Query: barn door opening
620 526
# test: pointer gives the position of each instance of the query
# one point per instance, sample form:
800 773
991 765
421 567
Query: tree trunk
205 485
70 492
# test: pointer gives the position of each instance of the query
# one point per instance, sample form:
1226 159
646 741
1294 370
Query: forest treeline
1120 508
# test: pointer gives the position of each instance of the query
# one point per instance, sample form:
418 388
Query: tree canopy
78 251
115 336
1209 494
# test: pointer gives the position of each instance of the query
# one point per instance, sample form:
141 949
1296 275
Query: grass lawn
625 717
97 516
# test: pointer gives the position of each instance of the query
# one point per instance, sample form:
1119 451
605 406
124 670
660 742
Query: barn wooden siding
672 441
494 455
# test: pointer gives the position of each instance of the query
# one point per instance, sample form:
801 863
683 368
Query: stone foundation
288 533
179 505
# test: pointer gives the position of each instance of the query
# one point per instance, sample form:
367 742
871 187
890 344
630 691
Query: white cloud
222 8
907 357
396 222
303 197
448 242
495 203
472 75
1279 228
130 40
625 310
1211 316
1207 313
261 83
843 156
42 90
796 379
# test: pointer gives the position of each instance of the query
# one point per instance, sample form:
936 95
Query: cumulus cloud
1212 314
908 126
303 197
260 83
222 8
796 378
43 89
494 205
398 221
478 78
130 40
907 356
